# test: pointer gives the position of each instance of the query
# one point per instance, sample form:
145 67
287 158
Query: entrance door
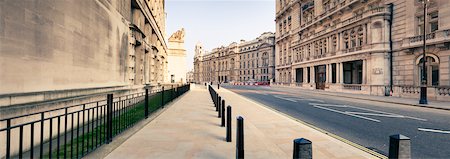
320 76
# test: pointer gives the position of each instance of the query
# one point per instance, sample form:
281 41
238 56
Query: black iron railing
74 131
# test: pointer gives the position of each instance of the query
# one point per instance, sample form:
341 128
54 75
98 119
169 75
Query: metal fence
74 131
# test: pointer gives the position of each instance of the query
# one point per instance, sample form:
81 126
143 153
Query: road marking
359 114
345 113
288 99
374 114
434 130
310 99
296 99
328 105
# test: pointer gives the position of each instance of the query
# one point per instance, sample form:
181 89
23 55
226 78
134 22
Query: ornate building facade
362 46
238 62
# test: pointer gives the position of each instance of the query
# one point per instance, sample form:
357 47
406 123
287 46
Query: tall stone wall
54 45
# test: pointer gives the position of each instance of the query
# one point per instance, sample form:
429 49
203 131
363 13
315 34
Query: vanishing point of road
366 123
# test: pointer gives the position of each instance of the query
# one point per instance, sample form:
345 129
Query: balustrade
410 89
356 87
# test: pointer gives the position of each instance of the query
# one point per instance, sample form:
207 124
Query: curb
371 152
407 104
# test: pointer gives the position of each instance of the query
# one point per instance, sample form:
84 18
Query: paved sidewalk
395 100
190 129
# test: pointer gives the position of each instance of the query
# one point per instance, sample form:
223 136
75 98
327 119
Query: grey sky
215 23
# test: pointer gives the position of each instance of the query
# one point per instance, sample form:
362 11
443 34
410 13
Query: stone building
177 58
362 46
60 53
190 76
52 45
238 62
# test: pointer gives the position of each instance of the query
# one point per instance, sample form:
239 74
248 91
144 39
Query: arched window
432 70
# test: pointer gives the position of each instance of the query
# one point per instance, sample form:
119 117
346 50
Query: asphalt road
366 123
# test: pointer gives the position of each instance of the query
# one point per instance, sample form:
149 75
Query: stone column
327 73
341 73
305 74
330 69
340 42
364 71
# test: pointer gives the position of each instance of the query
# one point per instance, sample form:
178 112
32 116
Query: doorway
320 76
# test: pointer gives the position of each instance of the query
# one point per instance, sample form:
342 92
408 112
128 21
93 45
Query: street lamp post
423 88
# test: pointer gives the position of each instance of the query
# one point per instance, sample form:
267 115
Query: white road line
285 98
353 115
328 105
381 113
393 114
434 130
374 114
310 99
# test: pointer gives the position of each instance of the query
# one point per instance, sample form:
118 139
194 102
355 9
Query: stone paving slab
190 129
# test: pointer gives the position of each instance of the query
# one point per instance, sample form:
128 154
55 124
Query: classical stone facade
82 48
362 46
238 62
56 54
177 58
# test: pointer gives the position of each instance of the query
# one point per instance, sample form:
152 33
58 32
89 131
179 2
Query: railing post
8 138
240 138
109 104
228 124
171 93
162 97
41 146
222 112
146 103
399 147
302 149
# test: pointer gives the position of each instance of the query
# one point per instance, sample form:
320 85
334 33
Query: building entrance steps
190 129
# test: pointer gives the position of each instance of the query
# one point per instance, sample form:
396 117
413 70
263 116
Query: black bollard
218 103
240 138
228 124
399 147
222 111
219 113
302 149
218 85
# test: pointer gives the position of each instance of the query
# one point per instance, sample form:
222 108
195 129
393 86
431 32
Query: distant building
238 62
190 76
344 46
177 58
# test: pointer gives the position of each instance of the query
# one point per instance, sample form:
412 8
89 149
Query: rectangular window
434 26
419 25
435 75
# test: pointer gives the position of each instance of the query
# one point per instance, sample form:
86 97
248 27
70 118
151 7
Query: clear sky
218 22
